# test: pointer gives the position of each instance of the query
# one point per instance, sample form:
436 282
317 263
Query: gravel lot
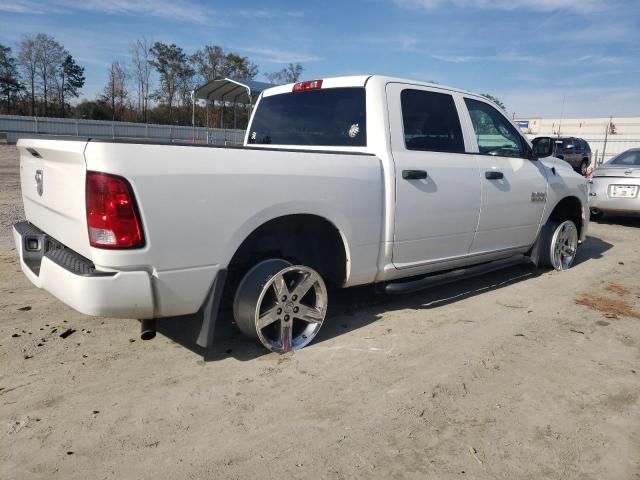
519 374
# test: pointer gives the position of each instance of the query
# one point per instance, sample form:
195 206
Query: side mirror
542 149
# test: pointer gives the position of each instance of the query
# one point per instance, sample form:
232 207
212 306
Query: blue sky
529 53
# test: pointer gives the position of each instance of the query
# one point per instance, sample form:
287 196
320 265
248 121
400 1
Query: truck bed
198 203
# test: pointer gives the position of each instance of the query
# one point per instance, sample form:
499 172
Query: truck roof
361 81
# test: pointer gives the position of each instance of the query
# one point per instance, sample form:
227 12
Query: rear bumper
600 195
74 280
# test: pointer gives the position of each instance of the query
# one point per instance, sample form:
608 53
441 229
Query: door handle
414 174
493 175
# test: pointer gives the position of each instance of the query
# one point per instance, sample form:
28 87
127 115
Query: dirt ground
520 374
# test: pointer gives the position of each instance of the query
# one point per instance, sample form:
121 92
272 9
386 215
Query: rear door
437 184
514 188
52 177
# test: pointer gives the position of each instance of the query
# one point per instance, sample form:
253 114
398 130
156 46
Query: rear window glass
630 158
325 117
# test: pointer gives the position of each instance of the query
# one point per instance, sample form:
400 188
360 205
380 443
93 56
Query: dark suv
572 150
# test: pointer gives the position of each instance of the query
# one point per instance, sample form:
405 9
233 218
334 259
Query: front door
514 188
437 184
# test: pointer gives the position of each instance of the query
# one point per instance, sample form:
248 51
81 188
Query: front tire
559 244
280 304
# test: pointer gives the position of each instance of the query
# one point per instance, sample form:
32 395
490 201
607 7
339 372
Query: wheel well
304 239
569 208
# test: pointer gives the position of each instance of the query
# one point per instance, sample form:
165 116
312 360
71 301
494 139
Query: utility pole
606 135
193 115
564 97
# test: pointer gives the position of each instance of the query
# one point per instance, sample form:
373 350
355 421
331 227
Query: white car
341 182
615 186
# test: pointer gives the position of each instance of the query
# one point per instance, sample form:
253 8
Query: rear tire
559 244
280 304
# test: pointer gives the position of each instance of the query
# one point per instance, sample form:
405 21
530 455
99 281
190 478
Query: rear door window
494 134
324 117
431 122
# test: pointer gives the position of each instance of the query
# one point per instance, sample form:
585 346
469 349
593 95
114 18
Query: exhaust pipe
148 329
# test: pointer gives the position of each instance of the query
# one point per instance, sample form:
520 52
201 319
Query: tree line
43 79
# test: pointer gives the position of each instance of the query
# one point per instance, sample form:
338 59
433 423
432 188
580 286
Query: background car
616 185
573 150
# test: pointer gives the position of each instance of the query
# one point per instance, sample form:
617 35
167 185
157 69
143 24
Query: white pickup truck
340 182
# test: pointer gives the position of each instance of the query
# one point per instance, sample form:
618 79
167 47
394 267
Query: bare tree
115 91
212 62
291 73
49 58
141 71
208 63
29 66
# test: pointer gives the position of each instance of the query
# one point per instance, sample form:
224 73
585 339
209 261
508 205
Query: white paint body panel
198 204
436 218
60 211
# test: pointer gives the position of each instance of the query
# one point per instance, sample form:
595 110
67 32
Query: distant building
606 136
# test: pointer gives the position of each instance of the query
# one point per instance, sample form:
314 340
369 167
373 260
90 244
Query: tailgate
52 177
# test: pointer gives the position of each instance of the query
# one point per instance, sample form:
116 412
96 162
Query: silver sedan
616 185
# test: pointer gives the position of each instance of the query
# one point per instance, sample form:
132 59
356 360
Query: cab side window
431 122
494 134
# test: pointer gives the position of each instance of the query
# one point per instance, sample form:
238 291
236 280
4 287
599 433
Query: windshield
630 158
324 117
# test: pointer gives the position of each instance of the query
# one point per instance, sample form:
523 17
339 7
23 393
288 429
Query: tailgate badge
39 181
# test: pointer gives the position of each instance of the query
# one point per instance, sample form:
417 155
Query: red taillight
308 85
112 213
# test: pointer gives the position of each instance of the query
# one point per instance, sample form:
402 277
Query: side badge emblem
538 197
39 182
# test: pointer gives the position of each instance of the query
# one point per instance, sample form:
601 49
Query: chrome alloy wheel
280 304
564 245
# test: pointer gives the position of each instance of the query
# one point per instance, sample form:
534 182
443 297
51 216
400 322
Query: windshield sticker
253 135
354 130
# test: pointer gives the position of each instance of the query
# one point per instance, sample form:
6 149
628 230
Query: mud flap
209 310
534 253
